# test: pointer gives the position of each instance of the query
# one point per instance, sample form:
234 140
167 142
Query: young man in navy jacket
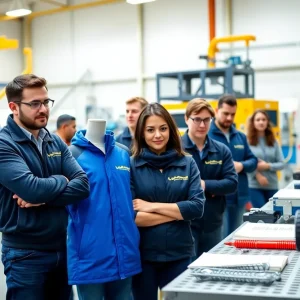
223 130
218 176
38 178
134 107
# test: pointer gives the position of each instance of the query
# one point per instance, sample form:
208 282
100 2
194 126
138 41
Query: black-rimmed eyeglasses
36 104
198 120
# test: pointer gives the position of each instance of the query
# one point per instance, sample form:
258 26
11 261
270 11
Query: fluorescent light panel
138 1
18 9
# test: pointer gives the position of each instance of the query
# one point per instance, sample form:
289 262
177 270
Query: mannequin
95 133
103 220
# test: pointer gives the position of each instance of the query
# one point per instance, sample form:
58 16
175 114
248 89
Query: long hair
156 109
252 133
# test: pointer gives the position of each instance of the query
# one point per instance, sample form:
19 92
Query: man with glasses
223 130
218 176
38 178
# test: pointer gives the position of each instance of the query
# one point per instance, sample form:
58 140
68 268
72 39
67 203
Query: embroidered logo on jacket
53 154
175 178
239 146
123 168
213 162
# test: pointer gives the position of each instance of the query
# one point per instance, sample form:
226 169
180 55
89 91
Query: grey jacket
272 155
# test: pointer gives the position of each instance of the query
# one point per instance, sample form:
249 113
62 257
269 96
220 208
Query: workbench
185 287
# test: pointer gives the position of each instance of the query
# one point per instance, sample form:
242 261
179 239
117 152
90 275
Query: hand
24 204
238 166
142 205
262 180
263 166
203 184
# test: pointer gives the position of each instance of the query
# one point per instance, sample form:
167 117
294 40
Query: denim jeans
233 218
204 241
114 290
260 197
156 275
35 275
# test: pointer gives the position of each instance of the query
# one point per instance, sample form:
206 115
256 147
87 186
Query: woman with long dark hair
263 182
166 195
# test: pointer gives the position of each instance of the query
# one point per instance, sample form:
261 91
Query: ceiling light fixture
18 9
139 1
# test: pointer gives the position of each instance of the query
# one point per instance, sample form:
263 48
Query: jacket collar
180 162
215 129
127 134
18 134
189 144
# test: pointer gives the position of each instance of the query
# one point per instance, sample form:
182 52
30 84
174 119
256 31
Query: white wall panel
278 86
105 41
11 61
150 90
176 33
113 96
270 20
52 48
273 22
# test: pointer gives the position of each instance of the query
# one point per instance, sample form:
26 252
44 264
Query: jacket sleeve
193 207
279 163
132 185
250 160
228 183
78 186
18 178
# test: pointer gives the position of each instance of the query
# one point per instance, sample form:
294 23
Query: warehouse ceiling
5 4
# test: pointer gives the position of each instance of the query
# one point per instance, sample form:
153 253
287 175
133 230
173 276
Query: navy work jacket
37 178
178 183
241 152
217 170
125 138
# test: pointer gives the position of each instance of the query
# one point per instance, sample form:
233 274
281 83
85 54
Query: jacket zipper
114 229
40 156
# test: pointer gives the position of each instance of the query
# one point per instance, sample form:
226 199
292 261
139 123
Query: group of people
121 217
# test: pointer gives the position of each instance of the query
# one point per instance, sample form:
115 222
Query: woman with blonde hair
263 182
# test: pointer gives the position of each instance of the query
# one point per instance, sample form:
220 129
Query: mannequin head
95 132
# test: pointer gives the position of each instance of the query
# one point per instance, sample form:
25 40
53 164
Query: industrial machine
237 77
281 208
286 202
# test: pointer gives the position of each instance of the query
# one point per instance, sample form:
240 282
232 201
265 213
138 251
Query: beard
224 125
32 124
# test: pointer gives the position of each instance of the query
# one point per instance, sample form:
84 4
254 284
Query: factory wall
98 48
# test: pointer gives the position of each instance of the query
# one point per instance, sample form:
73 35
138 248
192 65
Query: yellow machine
246 107
237 78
